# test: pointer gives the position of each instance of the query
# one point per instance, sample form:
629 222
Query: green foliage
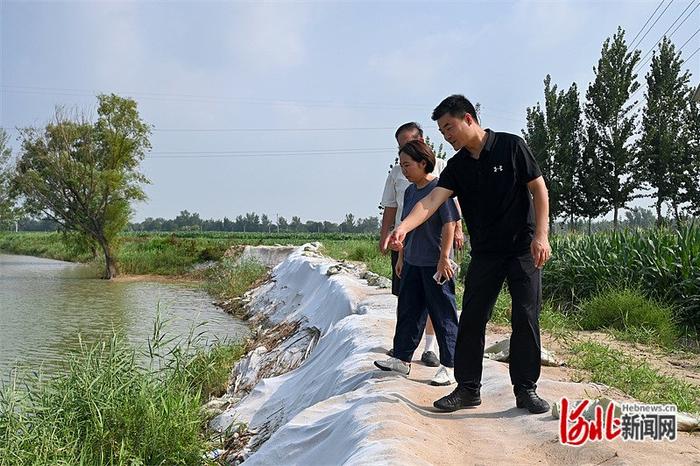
85 176
634 377
635 316
663 145
691 130
8 211
554 136
166 254
612 121
663 264
108 409
49 245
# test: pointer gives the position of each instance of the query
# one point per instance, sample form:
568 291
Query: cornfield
664 264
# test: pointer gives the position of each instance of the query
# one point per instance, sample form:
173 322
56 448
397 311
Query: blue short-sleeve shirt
422 246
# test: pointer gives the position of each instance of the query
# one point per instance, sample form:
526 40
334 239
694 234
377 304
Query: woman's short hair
420 152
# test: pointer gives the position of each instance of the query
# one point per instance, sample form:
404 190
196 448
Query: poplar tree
613 119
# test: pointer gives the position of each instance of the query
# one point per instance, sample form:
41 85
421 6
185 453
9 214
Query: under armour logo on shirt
498 168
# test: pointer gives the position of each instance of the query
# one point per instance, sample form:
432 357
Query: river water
47 305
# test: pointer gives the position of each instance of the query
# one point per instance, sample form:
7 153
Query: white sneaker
443 376
394 364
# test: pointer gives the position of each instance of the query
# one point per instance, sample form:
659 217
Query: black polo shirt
493 195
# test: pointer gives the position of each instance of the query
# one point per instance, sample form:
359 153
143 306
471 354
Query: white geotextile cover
337 408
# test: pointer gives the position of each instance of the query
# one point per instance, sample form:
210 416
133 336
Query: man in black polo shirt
506 208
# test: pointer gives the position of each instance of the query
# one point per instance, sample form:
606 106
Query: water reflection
46 304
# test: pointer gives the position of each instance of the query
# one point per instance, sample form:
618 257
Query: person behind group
392 203
424 266
505 206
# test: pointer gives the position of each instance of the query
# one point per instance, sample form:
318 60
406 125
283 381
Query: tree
567 152
85 175
613 120
639 217
7 198
348 225
265 223
691 131
592 201
187 221
664 162
440 152
537 137
282 224
296 224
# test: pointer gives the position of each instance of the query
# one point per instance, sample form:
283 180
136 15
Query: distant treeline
636 217
252 222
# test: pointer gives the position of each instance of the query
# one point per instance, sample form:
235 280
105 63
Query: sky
289 108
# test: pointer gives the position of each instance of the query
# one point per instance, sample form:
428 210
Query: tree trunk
589 225
677 215
615 218
111 270
659 219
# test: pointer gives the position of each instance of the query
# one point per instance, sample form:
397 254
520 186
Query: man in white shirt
392 203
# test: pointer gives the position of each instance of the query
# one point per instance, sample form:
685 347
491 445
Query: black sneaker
390 353
430 359
527 398
460 398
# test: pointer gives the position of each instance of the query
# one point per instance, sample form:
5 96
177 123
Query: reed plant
110 408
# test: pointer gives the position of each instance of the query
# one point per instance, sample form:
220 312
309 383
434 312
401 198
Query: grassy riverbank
166 253
605 282
109 409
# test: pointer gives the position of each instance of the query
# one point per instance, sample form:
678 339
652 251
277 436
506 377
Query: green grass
229 280
109 409
630 315
362 250
49 245
634 377
176 253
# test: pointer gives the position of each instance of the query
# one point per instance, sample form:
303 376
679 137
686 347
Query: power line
693 54
652 26
647 22
74 92
642 62
243 154
255 130
288 151
191 98
684 60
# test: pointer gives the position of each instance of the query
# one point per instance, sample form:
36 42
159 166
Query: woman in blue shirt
424 265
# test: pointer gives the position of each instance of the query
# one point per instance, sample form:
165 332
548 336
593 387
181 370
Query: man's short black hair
411 125
457 106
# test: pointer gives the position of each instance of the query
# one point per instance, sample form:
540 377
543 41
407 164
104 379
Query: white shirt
396 184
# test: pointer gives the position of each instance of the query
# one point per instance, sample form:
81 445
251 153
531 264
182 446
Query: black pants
419 297
483 283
